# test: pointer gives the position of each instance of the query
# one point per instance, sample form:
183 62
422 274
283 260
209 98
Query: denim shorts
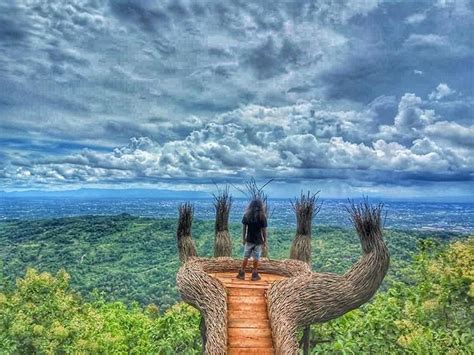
254 250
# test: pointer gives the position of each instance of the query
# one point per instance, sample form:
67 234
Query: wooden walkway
249 329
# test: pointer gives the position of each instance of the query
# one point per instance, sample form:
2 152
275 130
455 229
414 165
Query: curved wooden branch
208 294
319 297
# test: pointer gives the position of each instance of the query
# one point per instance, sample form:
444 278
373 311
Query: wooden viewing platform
265 316
248 325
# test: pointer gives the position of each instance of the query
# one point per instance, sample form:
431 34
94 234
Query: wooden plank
247 315
244 292
225 274
254 286
249 342
249 329
250 333
259 307
248 323
246 351
248 282
247 299
264 276
234 274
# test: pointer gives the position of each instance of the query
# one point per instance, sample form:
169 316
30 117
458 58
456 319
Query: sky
349 97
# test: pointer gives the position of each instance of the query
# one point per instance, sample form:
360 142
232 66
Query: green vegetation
430 312
43 316
122 266
132 259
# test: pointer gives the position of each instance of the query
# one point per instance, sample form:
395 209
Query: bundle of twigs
222 240
367 220
257 193
186 247
305 207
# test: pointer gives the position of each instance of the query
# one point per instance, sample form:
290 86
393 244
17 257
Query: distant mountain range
110 193
189 194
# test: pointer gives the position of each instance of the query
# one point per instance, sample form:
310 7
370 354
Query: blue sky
350 97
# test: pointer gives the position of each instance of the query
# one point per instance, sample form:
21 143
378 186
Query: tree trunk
306 340
202 328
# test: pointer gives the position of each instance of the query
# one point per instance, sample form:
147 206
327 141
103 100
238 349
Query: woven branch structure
302 299
305 207
186 247
319 297
222 240
208 294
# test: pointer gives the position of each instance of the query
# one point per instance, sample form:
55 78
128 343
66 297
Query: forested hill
426 307
130 259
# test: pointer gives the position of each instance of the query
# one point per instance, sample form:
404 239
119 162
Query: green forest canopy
131 259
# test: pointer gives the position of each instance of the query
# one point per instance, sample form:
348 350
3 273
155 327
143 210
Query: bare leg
255 275
244 263
241 274
255 265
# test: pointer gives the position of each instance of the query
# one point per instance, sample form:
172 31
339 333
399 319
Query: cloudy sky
351 96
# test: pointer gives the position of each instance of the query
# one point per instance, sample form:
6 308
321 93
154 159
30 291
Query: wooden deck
249 329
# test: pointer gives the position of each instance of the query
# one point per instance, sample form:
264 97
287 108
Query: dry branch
256 193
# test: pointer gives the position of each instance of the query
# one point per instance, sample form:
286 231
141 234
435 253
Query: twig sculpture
319 297
186 247
302 299
305 207
222 241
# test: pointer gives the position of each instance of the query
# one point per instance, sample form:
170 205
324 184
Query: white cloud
426 40
442 91
410 114
453 132
411 118
299 141
229 89
416 18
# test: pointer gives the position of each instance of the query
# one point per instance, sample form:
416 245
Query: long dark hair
255 211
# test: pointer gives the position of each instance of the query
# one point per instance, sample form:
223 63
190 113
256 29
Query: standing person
254 235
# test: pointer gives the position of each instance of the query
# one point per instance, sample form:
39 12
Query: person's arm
264 235
264 231
244 233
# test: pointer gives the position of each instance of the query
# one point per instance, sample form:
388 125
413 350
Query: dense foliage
43 315
122 266
430 311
